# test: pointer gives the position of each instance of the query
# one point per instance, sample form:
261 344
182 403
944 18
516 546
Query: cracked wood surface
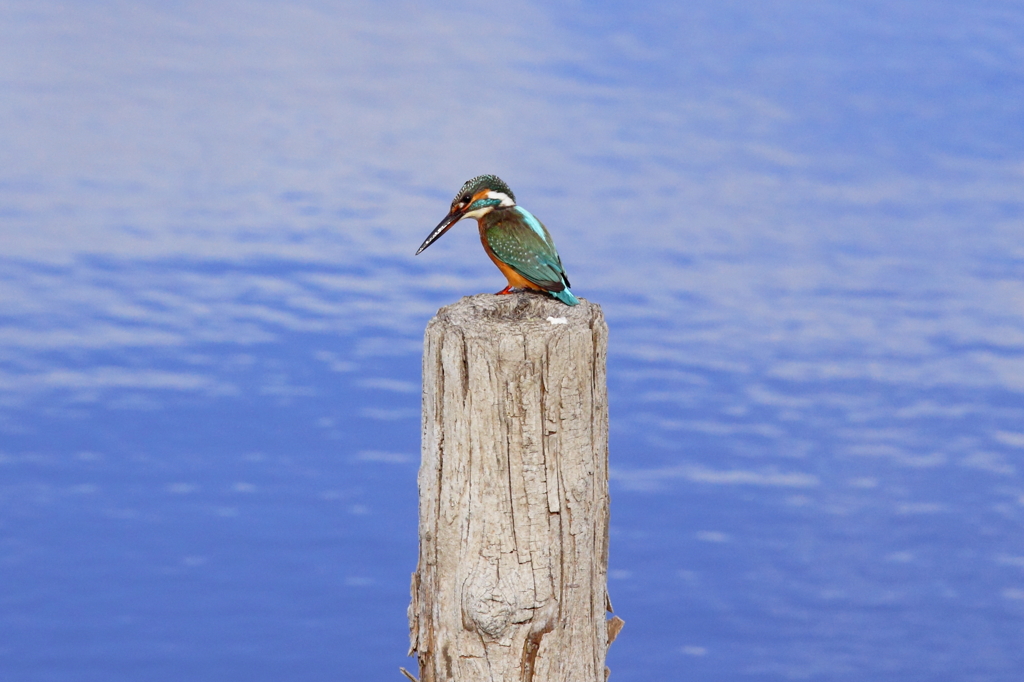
511 583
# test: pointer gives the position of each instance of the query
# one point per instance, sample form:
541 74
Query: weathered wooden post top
511 583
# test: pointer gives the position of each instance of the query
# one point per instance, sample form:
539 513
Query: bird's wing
526 247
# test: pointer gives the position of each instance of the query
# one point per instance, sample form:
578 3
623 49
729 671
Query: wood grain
511 583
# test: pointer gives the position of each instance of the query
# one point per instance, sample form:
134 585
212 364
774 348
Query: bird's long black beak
442 227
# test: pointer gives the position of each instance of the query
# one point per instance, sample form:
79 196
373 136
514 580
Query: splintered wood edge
614 628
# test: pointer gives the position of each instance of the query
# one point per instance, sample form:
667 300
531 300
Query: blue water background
804 223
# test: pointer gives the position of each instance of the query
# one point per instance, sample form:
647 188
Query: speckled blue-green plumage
520 241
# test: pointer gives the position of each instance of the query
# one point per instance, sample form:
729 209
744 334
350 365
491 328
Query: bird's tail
565 296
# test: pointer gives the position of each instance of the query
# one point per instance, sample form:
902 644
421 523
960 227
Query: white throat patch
478 213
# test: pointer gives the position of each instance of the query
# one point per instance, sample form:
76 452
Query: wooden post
511 584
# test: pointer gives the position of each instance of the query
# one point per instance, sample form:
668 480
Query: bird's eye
466 199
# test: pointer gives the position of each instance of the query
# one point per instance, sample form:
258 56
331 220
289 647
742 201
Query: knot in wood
488 604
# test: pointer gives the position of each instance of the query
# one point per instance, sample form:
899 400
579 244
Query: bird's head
477 198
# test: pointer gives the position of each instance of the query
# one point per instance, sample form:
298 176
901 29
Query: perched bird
516 241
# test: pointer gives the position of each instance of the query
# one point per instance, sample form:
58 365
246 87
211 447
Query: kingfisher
518 243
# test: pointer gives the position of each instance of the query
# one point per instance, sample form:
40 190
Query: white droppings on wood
512 573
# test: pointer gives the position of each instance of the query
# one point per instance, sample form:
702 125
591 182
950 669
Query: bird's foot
507 290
